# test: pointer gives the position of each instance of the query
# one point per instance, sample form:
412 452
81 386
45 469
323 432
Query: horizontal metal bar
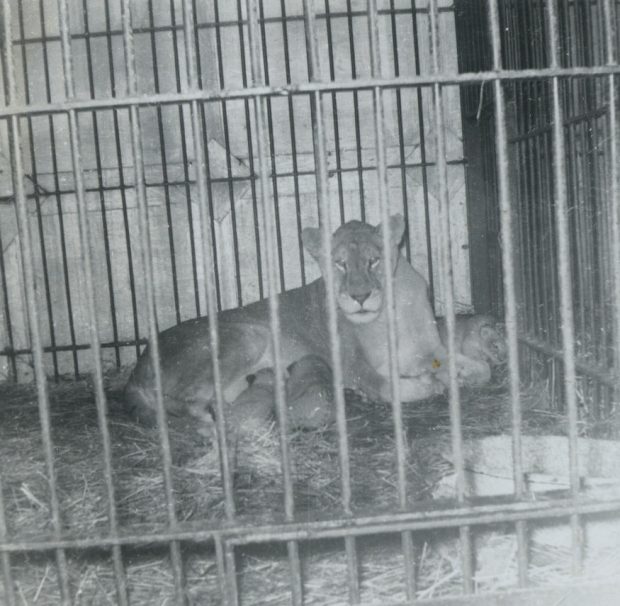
600 112
606 377
224 23
565 594
357 85
246 531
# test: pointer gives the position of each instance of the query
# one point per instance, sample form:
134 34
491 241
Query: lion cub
309 396
479 338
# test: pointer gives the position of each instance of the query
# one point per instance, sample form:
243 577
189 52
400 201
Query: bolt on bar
320 155
208 264
7 574
87 271
611 37
260 116
448 287
564 271
147 259
382 182
23 229
508 271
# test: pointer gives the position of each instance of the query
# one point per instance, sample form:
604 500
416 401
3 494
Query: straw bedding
263 571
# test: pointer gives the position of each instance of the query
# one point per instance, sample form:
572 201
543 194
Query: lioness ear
397 229
312 241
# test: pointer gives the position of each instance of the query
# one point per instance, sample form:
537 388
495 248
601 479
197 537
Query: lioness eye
372 263
341 265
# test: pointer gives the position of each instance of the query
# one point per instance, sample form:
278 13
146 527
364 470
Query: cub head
358 262
492 340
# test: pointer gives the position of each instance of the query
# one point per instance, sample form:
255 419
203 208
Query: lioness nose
361 298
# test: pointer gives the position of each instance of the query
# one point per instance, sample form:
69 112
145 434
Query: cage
159 162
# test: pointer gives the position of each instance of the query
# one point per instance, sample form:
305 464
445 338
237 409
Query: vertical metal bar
260 116
185 160
564 271
147 259
86 265
291 115
23 229
205 149
164 166
448 287
7 316
255 213
508 272
611 39
100 182
121 182
232 593
356 112
189 27
401 134
320 155
423 159
42 240
220 562
58 195
274 167
384 206
7 574
231 192
334 96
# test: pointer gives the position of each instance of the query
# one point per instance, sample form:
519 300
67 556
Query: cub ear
312 241
397 229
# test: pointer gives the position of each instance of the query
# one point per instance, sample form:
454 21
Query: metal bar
101 191
319 138
291 113
147 259
211 25
246 107
185 160
401 136
42 240
356 112
208 265
164 169
9 350
205 144
231 193
86 266
248 532
272 151
448 287
61 221
334 96
564 271
611 40
15 109
23 229
123 193
422 134
7 574
509 281
260 116
232 593
382 179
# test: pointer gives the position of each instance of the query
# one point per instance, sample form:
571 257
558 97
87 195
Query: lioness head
358 261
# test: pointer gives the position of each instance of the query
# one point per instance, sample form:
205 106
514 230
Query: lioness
245 341
479 338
